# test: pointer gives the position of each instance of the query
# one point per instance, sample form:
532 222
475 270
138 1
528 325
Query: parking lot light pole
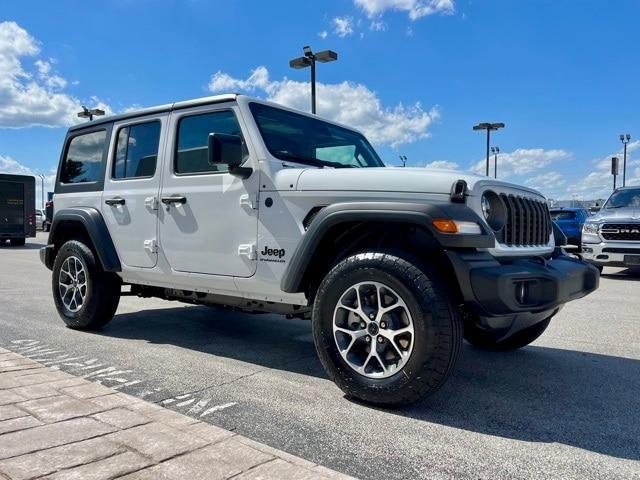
614 170
403 159
90 113
495 151
309 60
624 139
42 188
488 127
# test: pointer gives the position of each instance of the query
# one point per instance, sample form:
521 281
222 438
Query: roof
157 109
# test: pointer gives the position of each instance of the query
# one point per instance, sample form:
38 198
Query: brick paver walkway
57 426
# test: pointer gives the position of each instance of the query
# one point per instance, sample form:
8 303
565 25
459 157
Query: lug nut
372 316
367 338
362 324
383 324
380 339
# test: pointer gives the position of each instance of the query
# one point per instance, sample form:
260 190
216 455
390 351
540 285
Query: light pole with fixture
90 113
624 139
42 187
488 127
403 159
495 151
309 60
615 170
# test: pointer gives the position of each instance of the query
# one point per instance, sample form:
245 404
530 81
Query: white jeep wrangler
241 203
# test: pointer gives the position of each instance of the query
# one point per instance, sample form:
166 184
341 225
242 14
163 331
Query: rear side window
193 140
83 160
137 151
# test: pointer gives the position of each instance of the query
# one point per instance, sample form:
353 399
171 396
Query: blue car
570 221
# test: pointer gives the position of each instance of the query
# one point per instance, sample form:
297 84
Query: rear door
12 208
132 182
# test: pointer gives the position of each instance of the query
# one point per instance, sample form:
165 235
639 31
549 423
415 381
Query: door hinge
151 246
249 201
151 203
247 250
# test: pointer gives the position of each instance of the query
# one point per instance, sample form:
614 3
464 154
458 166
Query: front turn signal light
445 226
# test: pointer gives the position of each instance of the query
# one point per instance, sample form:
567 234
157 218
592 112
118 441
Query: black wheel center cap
373 328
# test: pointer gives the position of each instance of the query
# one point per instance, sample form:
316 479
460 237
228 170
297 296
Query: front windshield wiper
310 161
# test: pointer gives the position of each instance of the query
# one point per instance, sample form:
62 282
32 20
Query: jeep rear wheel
385 332
86 297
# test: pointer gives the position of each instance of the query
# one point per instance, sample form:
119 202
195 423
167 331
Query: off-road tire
102 292
438 329
487 340
17 242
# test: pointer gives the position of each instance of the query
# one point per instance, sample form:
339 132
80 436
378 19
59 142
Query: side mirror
227 150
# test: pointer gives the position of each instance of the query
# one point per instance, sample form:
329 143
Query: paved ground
55 426
565 407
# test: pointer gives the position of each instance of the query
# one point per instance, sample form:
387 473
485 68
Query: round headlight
493 210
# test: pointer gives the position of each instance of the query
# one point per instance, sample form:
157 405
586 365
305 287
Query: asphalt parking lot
565 407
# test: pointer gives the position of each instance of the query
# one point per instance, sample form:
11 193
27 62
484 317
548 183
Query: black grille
528 221
629 232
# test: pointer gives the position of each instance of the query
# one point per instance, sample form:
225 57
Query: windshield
562 215
302 139
624 198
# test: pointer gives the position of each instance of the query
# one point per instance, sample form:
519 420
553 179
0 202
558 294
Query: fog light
603 257
587 250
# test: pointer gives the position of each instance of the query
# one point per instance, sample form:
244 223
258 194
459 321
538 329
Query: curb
56 426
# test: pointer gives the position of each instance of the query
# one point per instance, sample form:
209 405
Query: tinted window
83 161
291 136
561 215
193 140
137 151
624 198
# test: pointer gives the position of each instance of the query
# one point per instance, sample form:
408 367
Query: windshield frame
286 156
607 206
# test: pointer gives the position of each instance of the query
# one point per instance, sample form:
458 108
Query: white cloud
443 164
415 8
343 26
9 165
347 102
323 34
549 183
377 26
522 161
26 98
599 182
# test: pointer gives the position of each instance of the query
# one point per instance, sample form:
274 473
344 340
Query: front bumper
494 287
610 254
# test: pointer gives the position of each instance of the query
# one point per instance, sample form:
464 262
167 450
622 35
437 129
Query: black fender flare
419 214
93 222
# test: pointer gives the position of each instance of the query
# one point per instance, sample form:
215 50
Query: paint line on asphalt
217 408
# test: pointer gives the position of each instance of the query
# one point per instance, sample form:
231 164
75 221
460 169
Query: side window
137 151
83 160
193 139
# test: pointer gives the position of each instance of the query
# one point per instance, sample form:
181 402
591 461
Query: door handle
174 199
115 201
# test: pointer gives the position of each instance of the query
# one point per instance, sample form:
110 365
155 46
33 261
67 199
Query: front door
208 217
131 187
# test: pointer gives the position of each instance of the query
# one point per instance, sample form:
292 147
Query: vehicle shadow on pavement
542 394
26 246
536 394
629 274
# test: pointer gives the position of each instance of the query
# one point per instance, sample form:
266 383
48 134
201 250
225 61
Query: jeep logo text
273 252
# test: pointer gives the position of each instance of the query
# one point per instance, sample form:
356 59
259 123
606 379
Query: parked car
17 208
570 221
48 216
239 202
612 236
40 217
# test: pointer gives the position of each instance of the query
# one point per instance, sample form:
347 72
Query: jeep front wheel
86 297
385 332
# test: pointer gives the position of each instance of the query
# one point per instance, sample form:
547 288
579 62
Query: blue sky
415 75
